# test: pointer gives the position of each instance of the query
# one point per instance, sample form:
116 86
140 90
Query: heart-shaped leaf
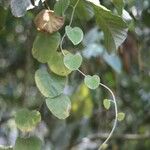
74 34
121 116
106 103
45 45
59 106
73 62
32 143
50 85
27 120
92 81
57 66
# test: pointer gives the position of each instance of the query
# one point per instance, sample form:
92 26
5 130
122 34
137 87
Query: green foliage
73 62
106 103
92 81
32 143
74 34
45 46
61 6
50 85
113 26
17 88
119 4
27 120
59 106
57 66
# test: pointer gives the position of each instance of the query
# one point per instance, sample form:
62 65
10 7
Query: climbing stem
113 96
116 113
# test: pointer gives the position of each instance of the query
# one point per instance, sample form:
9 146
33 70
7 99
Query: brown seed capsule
47 21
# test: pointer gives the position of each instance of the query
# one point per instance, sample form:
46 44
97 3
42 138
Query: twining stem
113 96
116 113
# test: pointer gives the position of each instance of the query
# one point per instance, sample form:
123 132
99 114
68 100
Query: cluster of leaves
51 82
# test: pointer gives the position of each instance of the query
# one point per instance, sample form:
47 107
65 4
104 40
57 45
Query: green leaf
59 106
57 66
32 143
50 85
106 103
74 34
3 14
61 6
113 26
121 116
27 120
73 62
45 45
92 81
119 4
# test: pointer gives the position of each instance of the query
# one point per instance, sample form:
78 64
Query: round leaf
74 34
73 62
57 66
121 116
50 85
92 81
59 106
32 143
27 120
45 45
106 103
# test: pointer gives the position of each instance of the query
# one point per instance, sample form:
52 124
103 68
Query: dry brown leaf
47 21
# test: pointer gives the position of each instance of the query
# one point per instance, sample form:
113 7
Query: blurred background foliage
126 72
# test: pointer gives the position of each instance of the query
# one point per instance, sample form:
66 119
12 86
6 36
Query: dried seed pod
47 21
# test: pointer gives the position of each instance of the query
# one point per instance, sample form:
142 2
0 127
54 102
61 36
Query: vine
103 85
51 84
